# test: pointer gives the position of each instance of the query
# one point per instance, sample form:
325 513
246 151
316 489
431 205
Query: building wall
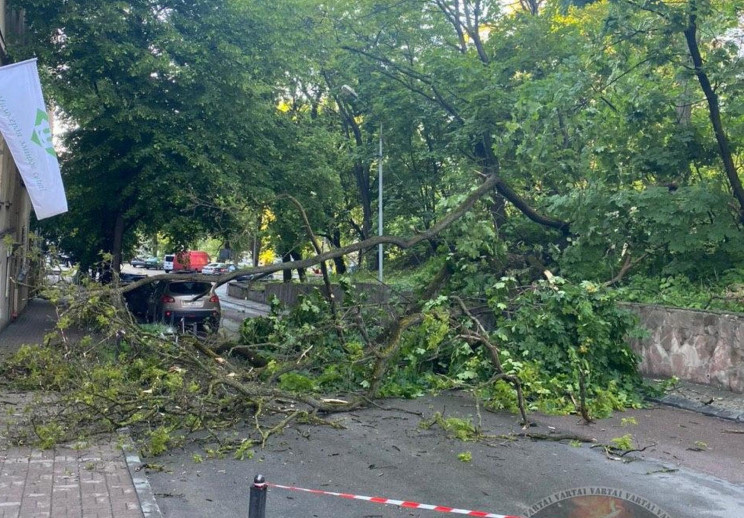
15 209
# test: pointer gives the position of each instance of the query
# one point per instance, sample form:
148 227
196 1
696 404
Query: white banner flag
24 123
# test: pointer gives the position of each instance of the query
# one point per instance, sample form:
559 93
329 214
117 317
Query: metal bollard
257 504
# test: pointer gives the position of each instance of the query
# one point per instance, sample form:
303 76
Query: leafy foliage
461 429
155 97
688 231
564 331
550 334
724 292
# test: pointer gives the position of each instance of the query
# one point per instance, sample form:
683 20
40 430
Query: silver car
215 269
186 303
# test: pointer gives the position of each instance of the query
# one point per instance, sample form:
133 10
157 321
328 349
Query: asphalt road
386 453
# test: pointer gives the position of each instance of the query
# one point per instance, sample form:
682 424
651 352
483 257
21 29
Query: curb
694 406
146 497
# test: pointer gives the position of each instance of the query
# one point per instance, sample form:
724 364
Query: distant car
218 268
211 268
169 262
153 263
138 262
57 264
129 278
185 302
253 277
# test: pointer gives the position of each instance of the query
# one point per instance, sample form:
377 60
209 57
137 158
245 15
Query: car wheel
167 271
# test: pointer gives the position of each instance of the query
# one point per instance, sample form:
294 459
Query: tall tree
161 99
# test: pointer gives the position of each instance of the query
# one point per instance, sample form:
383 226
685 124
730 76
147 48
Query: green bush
555 332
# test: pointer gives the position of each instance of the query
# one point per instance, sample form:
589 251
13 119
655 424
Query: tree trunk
340 264
287 274
714 111
361 174
117 245
256 249
301 272
361 168
155 245
498 212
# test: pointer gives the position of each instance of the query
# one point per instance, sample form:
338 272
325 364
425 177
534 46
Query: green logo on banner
42 134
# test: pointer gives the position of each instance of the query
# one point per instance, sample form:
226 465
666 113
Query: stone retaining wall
288 292
698 346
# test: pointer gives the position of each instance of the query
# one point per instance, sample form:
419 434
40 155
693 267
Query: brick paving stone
67 483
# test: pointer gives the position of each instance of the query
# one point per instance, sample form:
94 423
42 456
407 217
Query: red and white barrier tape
400 503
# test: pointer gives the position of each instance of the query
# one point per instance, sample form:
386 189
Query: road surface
387 453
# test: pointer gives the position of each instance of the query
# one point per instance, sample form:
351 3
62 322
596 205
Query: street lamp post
379 209
350 91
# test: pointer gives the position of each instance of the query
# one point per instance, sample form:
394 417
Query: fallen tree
320 357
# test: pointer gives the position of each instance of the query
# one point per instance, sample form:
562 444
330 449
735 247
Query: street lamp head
349 91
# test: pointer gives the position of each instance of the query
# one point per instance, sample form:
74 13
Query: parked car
129 278
153 263
248 277
137 262
57 264
190 260
184 303
218 268
168 261
212 268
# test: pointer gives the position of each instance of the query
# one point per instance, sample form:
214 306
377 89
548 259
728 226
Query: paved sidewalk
91 482
30 327
63 482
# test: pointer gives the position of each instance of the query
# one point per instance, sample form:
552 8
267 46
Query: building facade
15 209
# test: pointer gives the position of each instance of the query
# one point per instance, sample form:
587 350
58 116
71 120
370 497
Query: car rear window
189 288
168 258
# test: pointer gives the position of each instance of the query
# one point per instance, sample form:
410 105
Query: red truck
189 260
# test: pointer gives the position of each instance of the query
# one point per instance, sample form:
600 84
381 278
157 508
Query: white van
168 262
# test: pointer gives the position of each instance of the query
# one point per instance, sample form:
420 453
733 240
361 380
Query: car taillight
167 299
214 298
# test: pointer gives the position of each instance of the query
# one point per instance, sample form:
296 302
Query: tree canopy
611 129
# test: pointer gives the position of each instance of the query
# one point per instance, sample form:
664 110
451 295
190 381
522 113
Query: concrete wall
698 346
